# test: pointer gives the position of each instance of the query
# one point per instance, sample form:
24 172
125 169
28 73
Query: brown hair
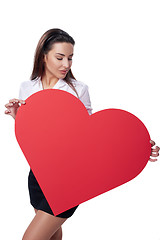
44 46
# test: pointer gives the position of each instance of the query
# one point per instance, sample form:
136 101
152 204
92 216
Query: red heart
76 156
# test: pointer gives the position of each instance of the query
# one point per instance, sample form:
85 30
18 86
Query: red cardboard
76 156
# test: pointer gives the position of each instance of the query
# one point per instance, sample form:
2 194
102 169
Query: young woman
52 69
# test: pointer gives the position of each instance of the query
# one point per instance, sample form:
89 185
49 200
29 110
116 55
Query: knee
57 235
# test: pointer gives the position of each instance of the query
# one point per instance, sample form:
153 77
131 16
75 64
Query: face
58 61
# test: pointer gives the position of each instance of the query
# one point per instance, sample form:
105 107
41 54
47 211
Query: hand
12 107
154 151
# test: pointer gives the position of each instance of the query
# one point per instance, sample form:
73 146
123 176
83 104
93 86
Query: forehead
66 48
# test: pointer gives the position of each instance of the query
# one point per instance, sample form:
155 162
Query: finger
158 148
22 101
152 143
152 160
155 149
13 100
7 111
8 105
155 154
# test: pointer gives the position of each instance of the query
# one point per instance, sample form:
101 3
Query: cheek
54 64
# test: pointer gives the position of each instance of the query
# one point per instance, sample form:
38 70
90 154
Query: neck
49 81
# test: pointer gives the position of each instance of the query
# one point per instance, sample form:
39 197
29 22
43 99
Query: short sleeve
85 99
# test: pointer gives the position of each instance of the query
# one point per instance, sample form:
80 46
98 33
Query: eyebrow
63 54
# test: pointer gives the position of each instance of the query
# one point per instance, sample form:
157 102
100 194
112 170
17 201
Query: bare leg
43 227
57 235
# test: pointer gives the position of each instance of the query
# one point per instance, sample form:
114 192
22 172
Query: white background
117 54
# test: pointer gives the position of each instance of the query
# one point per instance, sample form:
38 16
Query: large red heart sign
76 156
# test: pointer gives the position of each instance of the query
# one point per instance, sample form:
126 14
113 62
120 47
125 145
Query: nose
66 63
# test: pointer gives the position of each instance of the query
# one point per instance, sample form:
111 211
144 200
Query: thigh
43 226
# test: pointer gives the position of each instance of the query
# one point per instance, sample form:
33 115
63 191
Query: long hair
44 46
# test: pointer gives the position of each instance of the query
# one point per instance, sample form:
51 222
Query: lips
63 71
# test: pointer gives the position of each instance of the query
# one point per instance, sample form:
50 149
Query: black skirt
38 200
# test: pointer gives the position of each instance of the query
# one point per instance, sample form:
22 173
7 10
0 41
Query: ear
44 58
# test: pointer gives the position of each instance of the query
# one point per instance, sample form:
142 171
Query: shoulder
28 87
28 84
79 85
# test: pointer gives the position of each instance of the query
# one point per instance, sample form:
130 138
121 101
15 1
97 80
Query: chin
63 76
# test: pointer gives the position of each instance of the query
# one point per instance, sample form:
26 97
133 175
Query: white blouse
29 87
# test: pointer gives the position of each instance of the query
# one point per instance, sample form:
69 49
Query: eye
70 59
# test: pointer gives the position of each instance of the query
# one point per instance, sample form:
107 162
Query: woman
52 69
